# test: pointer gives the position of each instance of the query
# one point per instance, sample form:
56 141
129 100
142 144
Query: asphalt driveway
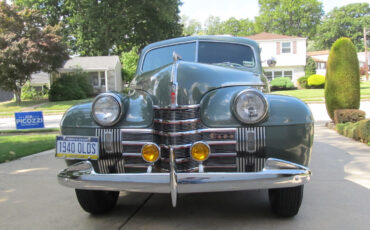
338 197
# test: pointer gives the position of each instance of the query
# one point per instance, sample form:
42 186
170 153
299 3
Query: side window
162 56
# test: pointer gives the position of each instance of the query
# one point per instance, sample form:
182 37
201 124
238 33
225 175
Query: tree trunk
17 94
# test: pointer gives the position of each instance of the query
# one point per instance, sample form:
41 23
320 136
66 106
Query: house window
97 78
102 79
288 74
278 74
94 77
268 74
281 73
286 47
320 65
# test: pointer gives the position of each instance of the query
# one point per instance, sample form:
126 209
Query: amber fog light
150 153
200 151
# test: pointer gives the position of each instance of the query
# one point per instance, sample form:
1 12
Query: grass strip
14 147
30 130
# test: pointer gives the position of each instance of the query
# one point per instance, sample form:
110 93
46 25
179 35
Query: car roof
220 38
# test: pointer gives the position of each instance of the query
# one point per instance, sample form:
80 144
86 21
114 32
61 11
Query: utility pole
366 30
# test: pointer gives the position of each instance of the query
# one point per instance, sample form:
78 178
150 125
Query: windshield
220 53
163 56
234 55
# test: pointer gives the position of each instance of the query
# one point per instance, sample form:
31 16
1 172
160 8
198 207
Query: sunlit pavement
338 197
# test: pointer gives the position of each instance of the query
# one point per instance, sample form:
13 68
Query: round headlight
107 109
250 106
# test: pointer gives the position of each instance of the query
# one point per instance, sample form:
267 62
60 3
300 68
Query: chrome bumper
276 174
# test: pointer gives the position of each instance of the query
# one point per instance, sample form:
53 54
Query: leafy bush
310 68
342 86
129 62
302 82
29 92
281 83
357 131
71 86
348 115
316 81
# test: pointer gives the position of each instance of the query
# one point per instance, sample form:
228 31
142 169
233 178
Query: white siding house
288 51
104 71
321 57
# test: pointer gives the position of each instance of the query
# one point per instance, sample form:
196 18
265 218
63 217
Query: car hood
193 80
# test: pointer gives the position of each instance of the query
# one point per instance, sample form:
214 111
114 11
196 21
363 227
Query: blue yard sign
29 120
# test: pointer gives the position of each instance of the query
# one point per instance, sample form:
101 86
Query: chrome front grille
251 143
110 159
232 149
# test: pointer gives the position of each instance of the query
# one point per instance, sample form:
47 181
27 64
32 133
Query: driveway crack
135 212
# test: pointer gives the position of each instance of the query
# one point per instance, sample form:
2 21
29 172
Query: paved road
318 110
338 197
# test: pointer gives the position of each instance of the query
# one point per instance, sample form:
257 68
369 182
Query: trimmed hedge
281 83
358 131
71 86
348 115
316 81
342 86
302 82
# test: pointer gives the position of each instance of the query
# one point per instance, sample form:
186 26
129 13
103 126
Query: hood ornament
176 57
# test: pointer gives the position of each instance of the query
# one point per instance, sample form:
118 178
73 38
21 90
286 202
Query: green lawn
318 94
58 107
15 146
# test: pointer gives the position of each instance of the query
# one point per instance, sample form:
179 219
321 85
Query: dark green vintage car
197 118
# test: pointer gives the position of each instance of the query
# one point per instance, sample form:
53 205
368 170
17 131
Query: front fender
138 106
288 126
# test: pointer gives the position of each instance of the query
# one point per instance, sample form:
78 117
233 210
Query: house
5 95
40 80
321 57
289 53
104 71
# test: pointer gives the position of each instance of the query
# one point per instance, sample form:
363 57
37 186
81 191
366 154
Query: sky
225 9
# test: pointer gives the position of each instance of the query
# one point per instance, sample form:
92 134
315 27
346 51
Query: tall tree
26 46
289 17
99 27
190 26
213 25
242 27
346 21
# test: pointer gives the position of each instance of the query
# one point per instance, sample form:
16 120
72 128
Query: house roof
40 78
271 36
91 63
319 52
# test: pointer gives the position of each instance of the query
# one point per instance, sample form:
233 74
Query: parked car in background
197 118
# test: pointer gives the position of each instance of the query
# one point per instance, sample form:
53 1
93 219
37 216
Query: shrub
358 131
364 130
70 86
310 67
316 81
302 82
129 63
342 86
281 83
29 92
348 115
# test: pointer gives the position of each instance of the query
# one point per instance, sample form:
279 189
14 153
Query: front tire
97 202
286 202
